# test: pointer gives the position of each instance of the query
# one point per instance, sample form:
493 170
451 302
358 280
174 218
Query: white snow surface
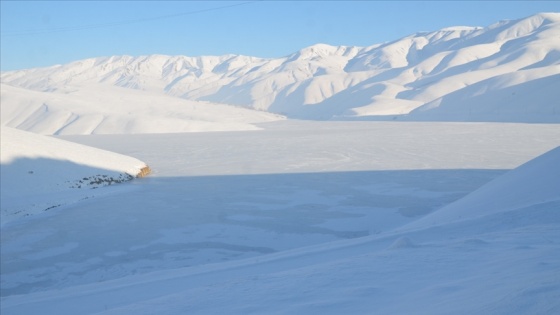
272 215
535 182
41 173
105 109
304 217
508 72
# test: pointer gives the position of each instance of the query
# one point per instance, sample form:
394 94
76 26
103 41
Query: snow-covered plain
302 217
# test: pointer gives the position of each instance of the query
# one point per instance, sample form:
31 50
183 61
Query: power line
120 23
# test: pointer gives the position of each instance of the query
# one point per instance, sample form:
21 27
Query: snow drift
40 173
535 182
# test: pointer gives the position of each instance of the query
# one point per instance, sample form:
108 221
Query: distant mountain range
509 72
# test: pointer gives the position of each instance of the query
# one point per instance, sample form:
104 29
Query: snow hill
105 109
535 182
508 71
40 172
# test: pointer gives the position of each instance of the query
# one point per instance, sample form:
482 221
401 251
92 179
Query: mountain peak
460 28
510 29
320 51
548 16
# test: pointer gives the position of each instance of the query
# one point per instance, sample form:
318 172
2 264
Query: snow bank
40 172
535 182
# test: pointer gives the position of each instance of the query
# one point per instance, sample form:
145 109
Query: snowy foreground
304 218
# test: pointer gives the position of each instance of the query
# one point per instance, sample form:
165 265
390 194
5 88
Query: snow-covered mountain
508 71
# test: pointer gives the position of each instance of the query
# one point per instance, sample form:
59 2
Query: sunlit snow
506 72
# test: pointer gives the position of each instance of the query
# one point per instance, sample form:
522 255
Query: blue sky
45 33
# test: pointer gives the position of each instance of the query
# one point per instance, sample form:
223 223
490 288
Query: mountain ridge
390 80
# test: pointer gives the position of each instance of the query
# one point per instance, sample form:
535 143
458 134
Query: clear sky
45 33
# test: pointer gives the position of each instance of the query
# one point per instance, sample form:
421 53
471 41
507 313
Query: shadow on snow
161 223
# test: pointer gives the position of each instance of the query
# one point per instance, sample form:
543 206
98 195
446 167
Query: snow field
290 219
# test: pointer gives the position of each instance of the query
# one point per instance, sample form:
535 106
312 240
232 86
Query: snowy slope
282 243
40 173
102 109
523 96
513 64
532 184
